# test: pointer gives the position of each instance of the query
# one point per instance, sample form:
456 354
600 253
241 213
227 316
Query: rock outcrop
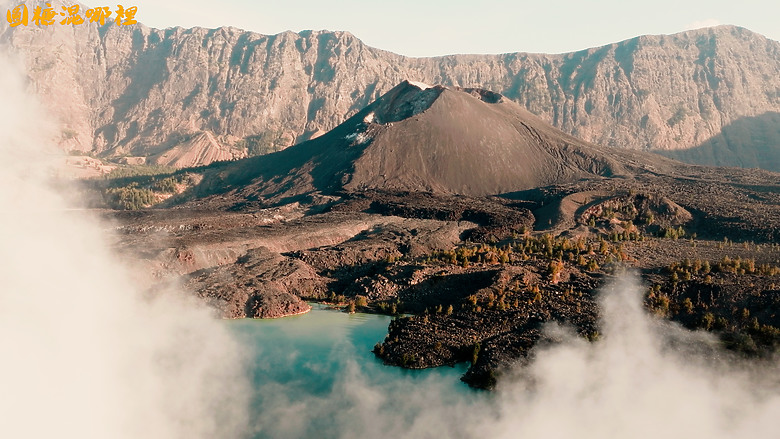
262 284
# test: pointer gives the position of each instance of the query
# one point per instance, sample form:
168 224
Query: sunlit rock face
191 96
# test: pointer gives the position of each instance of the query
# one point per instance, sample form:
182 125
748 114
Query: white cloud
86 354
698 24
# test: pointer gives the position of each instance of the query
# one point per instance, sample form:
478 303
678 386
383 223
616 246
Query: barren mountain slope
420 138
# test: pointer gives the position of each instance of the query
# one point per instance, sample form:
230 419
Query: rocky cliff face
222 93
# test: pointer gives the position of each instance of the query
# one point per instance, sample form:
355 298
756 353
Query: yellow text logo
46 16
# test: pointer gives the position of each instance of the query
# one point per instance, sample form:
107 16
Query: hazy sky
438 27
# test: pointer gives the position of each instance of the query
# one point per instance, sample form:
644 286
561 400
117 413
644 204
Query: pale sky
439 27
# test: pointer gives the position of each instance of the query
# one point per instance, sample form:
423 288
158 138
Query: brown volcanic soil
495 147
261 264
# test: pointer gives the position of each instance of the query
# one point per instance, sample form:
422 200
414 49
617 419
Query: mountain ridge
140 91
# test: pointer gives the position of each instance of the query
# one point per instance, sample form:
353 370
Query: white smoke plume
82 353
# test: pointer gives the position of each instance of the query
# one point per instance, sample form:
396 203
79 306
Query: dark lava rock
491 339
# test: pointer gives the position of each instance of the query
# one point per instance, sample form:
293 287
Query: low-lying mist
82 353
644 378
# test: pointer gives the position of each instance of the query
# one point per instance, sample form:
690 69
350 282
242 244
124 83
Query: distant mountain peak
410 98
403 101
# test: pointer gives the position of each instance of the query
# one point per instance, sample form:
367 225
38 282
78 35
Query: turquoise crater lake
314 375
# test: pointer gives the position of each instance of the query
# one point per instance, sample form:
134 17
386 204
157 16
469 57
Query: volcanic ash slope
421 138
